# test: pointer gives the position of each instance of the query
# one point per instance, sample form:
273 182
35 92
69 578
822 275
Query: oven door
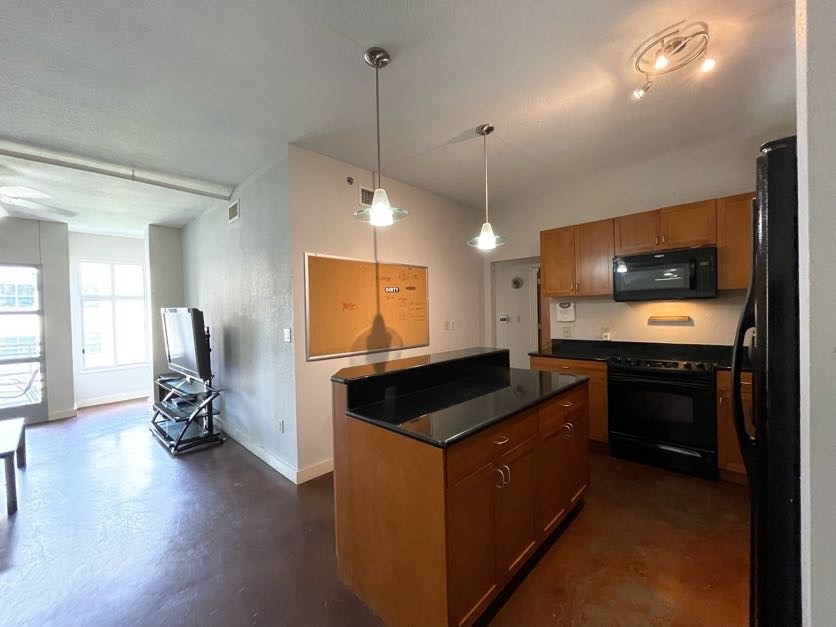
675 274
666 419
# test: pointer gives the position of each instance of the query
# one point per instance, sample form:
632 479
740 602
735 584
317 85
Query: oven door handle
697 382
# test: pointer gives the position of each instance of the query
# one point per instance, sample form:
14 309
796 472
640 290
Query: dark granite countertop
600 350
446 413
364 371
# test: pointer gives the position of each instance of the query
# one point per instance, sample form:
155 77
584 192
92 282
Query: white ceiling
210 89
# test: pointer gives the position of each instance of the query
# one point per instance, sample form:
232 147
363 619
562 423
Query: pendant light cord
377 104
485 149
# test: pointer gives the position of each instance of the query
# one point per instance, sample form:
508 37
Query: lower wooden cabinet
430 536
597 372
729 458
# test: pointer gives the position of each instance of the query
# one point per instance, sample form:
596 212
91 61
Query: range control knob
700 365
688 365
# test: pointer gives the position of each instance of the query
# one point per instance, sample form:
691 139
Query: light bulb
639 93
380 213
707 64
661 61
487 240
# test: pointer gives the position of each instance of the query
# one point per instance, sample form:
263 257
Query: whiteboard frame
367 352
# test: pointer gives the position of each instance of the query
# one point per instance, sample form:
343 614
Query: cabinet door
577 454
552 482
471 562
734 242
684 226
729 457
557 261
594 250
637 233
516 527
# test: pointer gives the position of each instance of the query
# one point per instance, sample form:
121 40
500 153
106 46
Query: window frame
32 411
112 299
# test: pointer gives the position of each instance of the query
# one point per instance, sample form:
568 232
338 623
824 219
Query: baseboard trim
62 414
275 462
315 470
112 398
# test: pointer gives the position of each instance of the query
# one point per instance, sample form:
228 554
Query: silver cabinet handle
508 470
501 483
501 440
663 239
657 240
565 367
722 400
568 429
571 429
566 404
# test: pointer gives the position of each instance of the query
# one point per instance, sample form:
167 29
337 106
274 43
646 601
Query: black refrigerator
771 447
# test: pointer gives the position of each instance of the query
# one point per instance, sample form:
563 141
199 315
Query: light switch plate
287 335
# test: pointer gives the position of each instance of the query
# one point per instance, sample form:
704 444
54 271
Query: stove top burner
660 364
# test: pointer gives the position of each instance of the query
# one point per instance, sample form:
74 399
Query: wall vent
366 196
234 211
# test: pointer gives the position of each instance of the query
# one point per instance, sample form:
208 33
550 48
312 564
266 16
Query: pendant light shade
487 239
381 212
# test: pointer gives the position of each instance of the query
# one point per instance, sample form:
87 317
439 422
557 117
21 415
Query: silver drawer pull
566 404
508 470
501 483
501 440
565 367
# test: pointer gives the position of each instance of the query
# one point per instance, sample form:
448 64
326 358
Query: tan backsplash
713 321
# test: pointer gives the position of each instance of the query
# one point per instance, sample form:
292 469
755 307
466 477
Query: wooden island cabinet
429 531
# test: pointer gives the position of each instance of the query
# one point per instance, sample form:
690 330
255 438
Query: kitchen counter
444 414
600 350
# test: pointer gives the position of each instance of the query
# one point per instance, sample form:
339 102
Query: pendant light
486 240
381 213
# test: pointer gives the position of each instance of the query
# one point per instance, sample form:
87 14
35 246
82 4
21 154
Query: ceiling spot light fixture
486 240
381 212
676 47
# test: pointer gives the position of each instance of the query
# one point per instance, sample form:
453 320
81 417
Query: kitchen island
449 471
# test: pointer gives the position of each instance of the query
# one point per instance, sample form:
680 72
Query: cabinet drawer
556 412
585 367
471 454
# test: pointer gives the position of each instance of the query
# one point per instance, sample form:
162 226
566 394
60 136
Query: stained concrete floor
113 531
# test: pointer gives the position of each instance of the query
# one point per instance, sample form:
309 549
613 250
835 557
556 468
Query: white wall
239 274
164 286
46 244
434 234
713 321
94 387
520 305
711 170
816 80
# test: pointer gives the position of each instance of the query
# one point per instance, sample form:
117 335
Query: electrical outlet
287 335
605 334
567 331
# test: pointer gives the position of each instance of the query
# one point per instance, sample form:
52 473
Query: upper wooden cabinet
681 226
684 226
734 241
594 250
637 233
577 260
557 261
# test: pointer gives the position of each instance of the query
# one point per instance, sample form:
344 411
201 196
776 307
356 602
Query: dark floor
113 531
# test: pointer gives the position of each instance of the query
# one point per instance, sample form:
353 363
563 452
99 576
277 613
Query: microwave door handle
692 269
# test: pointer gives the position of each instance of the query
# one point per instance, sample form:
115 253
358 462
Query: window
113 314
21 352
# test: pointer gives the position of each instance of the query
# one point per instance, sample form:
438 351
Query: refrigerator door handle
746 441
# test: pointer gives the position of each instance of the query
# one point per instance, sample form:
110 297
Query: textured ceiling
210 89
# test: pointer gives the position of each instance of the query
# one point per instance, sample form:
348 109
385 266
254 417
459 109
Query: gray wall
47 244
816 52
239 274
164 268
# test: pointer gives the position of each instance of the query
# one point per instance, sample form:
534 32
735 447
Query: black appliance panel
675 274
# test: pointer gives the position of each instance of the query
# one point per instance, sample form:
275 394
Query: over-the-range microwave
686 273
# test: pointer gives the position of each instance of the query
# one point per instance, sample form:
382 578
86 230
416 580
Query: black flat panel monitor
185 342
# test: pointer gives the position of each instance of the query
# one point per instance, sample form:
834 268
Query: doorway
515 299
22 363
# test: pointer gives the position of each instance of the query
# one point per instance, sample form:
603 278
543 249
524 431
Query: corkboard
355 307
